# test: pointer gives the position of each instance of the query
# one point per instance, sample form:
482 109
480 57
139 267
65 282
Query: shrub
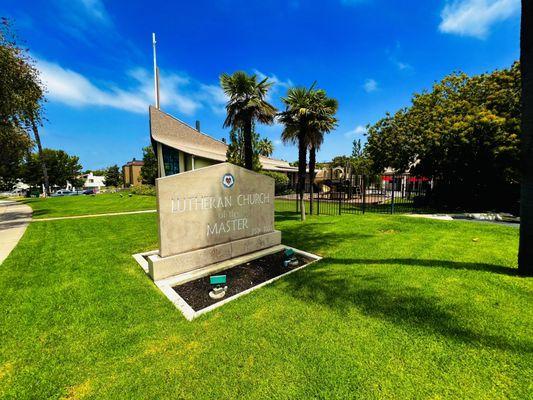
145 190
281 181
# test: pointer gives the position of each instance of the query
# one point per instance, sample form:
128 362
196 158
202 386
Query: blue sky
96 58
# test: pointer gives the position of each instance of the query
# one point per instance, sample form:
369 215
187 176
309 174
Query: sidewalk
14 218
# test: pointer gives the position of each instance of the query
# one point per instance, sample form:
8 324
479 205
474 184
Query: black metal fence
362 193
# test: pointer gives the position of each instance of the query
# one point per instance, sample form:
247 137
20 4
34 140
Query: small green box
289 253
217 279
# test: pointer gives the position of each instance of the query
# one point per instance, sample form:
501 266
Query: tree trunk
248 148
302 163
525 252
41 158
312 163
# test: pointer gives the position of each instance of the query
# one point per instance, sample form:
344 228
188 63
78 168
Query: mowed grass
84 205
398 308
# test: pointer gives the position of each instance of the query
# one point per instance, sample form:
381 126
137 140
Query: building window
171 160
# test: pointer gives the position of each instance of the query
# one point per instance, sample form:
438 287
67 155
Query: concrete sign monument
211 215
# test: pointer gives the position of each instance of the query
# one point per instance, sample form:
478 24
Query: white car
63 192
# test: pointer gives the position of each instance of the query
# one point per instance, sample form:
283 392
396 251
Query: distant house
93 181
131 173
184 148
20 188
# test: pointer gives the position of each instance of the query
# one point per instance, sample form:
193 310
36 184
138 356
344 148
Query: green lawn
399 308
83 205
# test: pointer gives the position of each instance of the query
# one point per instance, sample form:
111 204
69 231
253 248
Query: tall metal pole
156 83
159 147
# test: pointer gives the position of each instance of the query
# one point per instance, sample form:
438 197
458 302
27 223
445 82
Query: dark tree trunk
41 158
312 164
248 148
302 163
525 252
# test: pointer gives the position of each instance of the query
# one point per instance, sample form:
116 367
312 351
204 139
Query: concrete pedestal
164 267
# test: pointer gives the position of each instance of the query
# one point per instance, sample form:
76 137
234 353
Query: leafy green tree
361 164
61 168
464 132
281 181
77 182
247 105
525 253
113 177
265 147
340 161
21 91
97 172
235 152
15 144
149 169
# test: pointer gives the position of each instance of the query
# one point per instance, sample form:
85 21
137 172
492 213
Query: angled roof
174 133
134 162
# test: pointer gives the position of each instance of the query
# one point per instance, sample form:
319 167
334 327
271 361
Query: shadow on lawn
494 268
307 238
375 296
286 216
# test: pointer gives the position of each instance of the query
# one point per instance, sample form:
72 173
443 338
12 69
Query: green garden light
290 259
219 286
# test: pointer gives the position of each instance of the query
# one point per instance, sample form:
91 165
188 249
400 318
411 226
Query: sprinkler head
218 292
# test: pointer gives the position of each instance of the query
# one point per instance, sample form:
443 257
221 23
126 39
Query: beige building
184 148
131 172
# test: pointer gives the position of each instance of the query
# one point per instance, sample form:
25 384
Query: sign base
164 267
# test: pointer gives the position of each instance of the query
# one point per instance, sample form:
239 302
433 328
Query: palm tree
323 123
296 120
308 113
525 253
265 147
246 105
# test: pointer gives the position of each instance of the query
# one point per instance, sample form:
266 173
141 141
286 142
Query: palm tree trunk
248 148
41 157
312 164
525 252
302 163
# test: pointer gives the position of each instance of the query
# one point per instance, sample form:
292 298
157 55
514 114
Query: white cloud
72 88
359 130
95 9
214 97
278 84
403 66
278 142
177 91
85 20
475 17
370 85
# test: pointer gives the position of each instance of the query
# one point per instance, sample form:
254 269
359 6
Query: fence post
318 204
392 197
364 193
339 193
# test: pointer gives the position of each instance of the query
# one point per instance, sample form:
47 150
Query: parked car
89 191
63 192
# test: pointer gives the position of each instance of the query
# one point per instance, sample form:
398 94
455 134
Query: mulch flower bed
239 278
